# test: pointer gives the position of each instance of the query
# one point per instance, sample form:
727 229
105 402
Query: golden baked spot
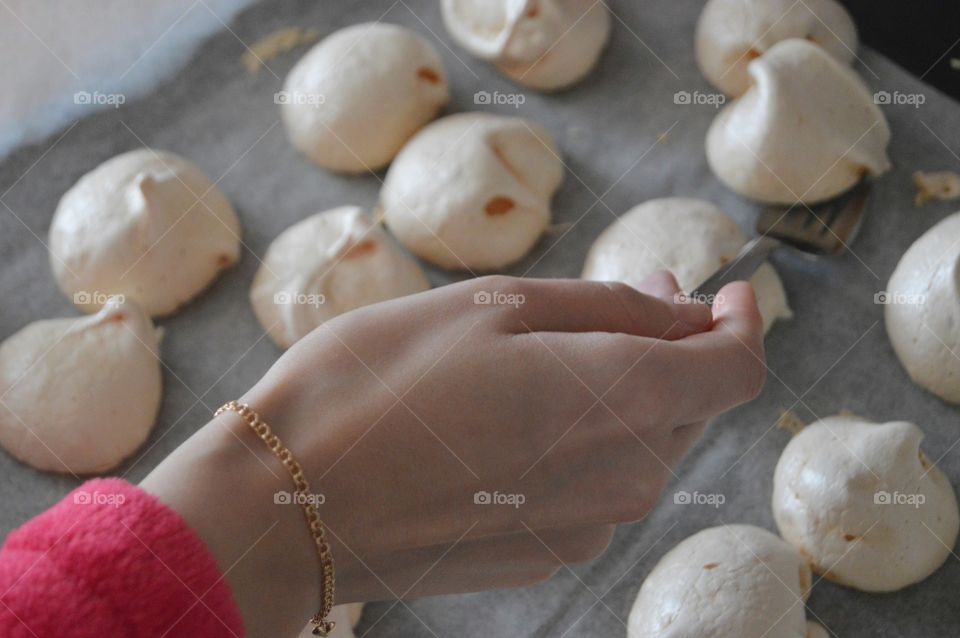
275 45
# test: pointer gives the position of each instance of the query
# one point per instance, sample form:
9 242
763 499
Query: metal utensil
823 229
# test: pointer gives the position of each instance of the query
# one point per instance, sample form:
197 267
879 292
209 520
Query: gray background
833 355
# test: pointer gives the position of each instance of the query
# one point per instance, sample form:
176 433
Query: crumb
275 45
790 422
938 185
955 64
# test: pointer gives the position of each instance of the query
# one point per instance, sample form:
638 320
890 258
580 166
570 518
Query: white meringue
733 580
544 44
325 265
923 309
346 616
357 96
863 504
731 33
689 237
807 129
80 395
472 190
148 225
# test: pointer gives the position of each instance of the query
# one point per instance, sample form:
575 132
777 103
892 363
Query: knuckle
620 290
634 507
648 495
651 490
760 379
624 299
653 414
755 373
539 575
588 546
629 511
533 573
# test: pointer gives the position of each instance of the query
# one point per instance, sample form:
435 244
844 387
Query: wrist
303 421
223 482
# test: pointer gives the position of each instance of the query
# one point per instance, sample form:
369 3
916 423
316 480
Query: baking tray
624 140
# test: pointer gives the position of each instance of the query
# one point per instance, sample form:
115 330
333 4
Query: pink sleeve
111 560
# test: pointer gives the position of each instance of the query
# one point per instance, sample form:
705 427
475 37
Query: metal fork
824 229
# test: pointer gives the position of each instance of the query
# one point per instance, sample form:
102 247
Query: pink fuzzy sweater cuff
111 560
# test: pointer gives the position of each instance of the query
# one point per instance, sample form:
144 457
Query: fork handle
754 253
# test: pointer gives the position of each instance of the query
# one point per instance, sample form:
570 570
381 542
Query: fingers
711 372
662 285
684 438
736 308
525 557
572 305
686 380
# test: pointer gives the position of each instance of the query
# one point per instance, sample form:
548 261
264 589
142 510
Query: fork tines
824 229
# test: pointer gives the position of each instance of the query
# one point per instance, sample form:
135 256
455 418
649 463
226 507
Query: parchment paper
833 355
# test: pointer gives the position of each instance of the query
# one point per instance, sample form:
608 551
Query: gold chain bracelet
321 625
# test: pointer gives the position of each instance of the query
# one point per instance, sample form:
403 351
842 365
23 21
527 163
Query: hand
574 397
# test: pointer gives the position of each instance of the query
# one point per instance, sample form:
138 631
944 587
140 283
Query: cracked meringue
356 97
147 225
806 130
733 580
863 504
472 190
731 33
923 310
689 237
80 395
326 265
544 44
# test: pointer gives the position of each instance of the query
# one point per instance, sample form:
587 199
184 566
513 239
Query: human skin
580 399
